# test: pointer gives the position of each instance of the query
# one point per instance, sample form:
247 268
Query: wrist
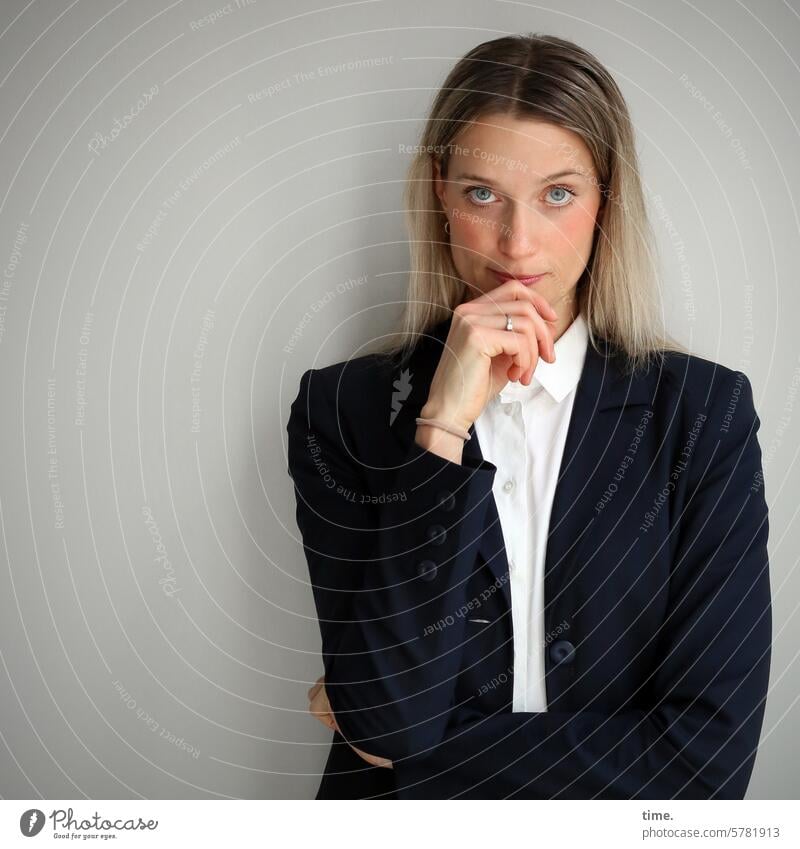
432 411
440 442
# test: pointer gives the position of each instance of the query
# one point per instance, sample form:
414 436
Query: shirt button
508 485
507 409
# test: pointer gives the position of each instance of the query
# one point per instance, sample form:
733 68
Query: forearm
381 573
390 679
632 754
701 709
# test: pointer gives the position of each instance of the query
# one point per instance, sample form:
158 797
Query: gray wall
157 632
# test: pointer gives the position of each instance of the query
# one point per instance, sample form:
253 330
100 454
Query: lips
502 276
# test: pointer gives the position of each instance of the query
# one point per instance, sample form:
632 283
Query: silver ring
509 325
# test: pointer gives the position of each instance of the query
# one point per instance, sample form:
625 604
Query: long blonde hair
545 78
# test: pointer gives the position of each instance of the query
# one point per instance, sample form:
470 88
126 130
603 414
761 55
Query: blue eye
479 201
568 198
482 195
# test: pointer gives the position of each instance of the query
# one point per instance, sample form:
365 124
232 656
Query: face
512 210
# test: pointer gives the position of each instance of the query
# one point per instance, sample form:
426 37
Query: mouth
502 276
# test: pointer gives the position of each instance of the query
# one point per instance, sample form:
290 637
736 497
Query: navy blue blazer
657 599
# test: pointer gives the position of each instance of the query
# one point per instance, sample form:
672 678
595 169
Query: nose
520 231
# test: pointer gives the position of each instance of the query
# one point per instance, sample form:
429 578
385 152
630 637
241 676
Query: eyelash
467 191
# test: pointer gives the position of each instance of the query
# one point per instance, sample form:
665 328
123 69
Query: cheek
471 229
574 234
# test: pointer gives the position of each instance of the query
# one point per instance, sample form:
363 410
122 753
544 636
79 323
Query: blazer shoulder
347 406
356 379
709 398
698 380
344 400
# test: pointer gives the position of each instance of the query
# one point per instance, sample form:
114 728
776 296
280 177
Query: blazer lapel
597 436
492 544
602 392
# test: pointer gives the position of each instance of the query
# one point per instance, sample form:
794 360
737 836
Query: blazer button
426 570
436 534
562 652
446 500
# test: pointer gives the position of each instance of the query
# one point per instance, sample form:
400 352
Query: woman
535 527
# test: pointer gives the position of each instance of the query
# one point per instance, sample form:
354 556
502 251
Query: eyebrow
478 178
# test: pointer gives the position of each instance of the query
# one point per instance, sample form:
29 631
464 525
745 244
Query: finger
515 291
521 292
327 720
541 335
319 705
542 340
375 760
495 341
538 338
526 356
320 708
316 687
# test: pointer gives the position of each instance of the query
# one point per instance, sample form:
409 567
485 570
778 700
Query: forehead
502 145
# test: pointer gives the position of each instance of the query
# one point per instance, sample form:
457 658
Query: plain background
164 287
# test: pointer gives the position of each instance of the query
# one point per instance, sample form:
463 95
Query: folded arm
395 699
708 692
380 572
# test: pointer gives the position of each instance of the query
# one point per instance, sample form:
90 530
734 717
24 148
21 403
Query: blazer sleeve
384 561
708 691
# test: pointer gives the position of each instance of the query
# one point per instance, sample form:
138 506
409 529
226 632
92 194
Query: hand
320 708
481 356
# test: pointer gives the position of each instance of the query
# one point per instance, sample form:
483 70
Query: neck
566 315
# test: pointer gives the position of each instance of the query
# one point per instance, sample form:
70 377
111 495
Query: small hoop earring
447 227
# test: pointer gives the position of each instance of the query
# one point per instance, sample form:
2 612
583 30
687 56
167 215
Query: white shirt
522 430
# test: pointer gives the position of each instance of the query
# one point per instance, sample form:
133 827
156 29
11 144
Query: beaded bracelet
456 431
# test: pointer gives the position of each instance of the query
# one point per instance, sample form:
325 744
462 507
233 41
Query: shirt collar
558 379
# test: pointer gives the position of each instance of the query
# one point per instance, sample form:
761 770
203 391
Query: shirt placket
512 494
538 434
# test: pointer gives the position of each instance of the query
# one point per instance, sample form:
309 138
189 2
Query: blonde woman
535 526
